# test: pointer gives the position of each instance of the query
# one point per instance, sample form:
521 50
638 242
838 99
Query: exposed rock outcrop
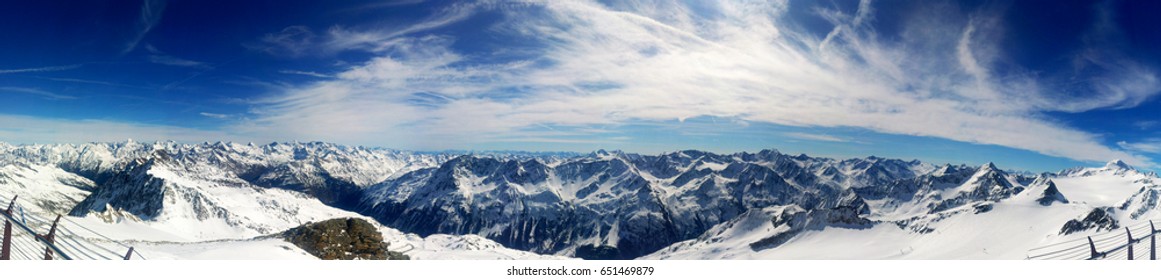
1051 194
342 239
1097 218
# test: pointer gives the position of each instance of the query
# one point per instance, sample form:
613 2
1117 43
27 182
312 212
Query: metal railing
1137 242
23 238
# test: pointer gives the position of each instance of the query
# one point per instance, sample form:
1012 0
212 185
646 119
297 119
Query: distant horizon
940 81
581 153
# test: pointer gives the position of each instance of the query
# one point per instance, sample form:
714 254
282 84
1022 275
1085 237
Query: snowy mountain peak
1051 194
988 166
1115 167
945 169
1117 164
601 153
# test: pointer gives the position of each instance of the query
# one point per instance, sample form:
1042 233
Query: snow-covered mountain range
686 204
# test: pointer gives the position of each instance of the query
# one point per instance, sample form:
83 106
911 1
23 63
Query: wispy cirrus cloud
94 82
1146 124
159 57
150 15
214 115
1119 81
298 40
40 69
292 41
363 8
174 61
306 73
1152 146
37 92
595 64
815 137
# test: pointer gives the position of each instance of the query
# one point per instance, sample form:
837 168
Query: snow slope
992 235
438 247
174 201
256 249
1106 186
991 229
42 188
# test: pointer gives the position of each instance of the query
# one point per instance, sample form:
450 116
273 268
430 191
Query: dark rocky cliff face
1051 194
644 203
342 239
133 190
1098 218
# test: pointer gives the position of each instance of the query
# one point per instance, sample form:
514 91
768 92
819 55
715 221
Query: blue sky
1029 85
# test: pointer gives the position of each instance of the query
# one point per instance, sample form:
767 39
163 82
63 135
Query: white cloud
602 65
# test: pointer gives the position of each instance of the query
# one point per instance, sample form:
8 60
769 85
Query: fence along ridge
1133 242
59 242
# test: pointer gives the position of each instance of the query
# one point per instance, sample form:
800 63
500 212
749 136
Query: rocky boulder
342 239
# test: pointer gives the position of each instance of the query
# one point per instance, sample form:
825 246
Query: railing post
1092 247
130 253
1152 241
1130 234
6 248
49 238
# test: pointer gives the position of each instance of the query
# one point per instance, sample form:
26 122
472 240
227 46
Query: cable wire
1084 239
20 245
1075 248
76 248
95 232
106 238
81 240
1140 254
1118 255
71 248
1077 256
1109 237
